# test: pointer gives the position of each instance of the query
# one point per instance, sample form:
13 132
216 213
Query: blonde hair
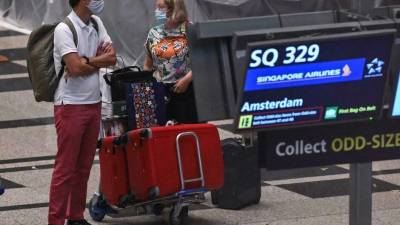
179 12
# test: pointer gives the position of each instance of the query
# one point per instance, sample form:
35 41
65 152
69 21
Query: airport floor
312 196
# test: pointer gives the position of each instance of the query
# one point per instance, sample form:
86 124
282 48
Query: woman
168 55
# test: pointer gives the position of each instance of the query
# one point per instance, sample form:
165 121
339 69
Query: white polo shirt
83 89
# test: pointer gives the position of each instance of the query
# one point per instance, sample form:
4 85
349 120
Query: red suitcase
153 160
114 184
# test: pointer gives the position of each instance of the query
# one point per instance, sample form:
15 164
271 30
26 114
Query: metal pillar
361 194
363 7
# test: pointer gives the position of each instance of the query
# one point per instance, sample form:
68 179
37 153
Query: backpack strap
95 24
71 26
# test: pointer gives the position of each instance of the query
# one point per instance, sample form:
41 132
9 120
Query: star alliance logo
375 67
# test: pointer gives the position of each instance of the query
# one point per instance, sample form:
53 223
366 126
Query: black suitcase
242 186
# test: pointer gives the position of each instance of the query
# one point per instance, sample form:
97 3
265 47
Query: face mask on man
96 6
160 16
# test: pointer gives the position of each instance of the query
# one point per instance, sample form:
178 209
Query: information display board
315 80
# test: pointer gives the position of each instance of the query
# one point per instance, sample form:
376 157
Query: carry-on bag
114 185
146 103
142 95
40 60
110 108
166 160
114 91
242 185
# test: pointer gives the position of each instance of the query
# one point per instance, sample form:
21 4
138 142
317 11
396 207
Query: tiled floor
27 149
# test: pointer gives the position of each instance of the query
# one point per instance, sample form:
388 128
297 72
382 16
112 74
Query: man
77 108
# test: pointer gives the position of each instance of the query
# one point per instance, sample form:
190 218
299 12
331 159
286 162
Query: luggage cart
178 203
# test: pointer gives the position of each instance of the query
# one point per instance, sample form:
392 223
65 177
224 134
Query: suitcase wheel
96 210
154 192
178 219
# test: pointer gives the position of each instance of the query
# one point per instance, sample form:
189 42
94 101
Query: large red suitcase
114 184
153 160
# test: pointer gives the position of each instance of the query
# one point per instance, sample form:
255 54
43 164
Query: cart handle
179 158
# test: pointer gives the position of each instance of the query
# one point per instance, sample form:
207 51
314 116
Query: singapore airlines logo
346 71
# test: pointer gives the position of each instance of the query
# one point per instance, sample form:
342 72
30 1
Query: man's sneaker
78 222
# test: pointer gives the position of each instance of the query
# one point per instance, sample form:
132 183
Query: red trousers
77 132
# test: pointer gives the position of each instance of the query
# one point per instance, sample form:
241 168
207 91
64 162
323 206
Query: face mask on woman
160 16
96 6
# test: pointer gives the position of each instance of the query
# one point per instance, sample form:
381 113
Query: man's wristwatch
87 60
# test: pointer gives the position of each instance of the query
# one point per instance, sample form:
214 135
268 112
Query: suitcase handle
179 157
108 81
129 74
129 68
